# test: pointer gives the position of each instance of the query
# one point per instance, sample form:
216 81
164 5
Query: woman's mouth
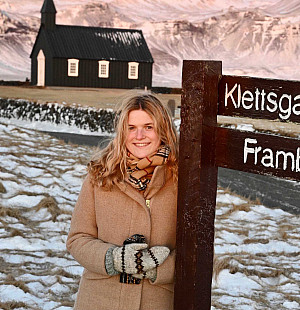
141 144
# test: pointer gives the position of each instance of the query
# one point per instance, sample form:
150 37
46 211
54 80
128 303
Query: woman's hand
135 258
150 274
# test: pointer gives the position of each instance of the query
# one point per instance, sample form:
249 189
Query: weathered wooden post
197 185
204 147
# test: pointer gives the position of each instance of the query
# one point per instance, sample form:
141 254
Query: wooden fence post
197 185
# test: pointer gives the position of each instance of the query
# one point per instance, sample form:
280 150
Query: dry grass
13 305
51 205
237 231
63 273
284 231
258 267
292 298
16 232
246 207
256 240
273 273
280 128
2 189
219 264
27 193
68 303
10 280
12 179
236 264
10 212
264 268
88 97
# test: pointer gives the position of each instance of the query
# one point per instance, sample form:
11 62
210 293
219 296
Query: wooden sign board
259 98
204 147
258 153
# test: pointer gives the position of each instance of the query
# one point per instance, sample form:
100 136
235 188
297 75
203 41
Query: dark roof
48 7
97 43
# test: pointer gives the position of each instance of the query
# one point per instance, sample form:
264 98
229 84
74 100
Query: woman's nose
140 134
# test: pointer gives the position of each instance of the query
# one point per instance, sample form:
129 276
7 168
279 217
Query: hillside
259 38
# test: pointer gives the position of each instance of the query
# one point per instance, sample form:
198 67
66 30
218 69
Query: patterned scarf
141 170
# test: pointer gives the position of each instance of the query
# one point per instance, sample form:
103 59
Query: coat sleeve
166 271
82 242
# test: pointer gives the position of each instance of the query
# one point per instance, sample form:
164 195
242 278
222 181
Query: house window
133 70
103 69
73 67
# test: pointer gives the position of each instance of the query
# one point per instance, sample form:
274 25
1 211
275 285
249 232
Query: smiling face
141 139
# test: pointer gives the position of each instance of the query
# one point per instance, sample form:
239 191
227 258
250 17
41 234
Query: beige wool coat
103 218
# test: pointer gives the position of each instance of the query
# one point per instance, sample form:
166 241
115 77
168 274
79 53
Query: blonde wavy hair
108 166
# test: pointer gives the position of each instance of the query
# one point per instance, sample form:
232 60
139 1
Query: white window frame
103 64
73 65
133 70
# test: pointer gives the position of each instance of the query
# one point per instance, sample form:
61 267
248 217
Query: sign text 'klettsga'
261 98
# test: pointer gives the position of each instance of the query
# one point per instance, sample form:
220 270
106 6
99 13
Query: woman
123 227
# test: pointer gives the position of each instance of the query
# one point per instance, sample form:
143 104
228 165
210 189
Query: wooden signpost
204 147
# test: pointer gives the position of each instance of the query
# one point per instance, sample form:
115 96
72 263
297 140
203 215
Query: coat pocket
94 276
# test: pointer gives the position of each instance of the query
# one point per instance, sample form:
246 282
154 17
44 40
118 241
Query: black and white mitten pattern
150 274
135 258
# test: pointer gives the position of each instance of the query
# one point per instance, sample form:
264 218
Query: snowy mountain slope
260 38
17 34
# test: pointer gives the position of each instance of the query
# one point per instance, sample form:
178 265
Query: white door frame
41 69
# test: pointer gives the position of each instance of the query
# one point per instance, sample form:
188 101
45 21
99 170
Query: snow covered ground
257 248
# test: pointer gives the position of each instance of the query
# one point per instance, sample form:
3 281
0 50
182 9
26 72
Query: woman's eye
130 128
149 127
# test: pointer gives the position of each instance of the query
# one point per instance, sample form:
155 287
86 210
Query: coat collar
158 180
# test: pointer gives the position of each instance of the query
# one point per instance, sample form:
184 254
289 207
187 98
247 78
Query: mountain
258 38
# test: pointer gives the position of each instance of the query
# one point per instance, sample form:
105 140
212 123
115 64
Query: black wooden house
88 56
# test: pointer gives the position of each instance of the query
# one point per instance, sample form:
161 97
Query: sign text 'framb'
257 154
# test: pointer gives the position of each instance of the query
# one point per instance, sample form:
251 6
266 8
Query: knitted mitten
135 258
125 257
109 262
153 257
150 274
